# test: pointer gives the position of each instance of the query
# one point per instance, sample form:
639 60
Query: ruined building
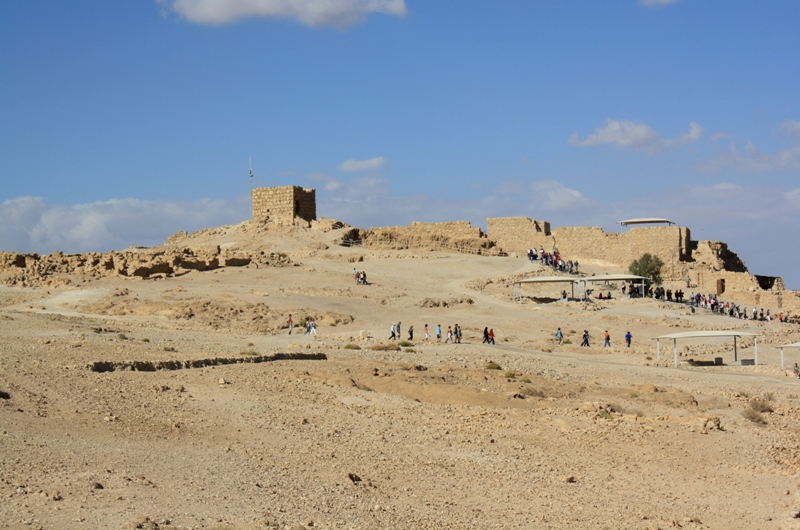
285 205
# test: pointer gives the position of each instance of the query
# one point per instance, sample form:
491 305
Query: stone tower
285 205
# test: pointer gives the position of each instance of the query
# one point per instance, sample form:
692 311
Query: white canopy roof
612 278
792 345
546 279
645 220
705 334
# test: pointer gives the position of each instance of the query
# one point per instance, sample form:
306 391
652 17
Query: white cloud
31 225
749 159
656 3
550 195
753 160
790 128
351 165
337 13
633 135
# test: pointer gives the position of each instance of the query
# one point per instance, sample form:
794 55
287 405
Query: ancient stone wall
517 234
457 235
285 205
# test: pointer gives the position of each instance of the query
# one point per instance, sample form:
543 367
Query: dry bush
510 374
754 416
529 391
351 346
760 406
491 365
768 396
385 347
405 344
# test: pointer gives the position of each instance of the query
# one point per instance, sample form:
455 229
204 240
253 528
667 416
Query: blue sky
124 122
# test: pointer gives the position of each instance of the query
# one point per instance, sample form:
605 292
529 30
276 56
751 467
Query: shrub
385 347
567 341
606 415
510 375
122 336
491 365
169 348
648 266
754 416
250 344
145 340
405 344
532 392
649 358
760 406
526 379
247 352
410 350
633 395
351 346
572 332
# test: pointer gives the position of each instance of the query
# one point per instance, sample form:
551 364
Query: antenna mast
251 178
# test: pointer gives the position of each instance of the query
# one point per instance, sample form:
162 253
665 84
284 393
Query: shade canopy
792 345
613 278
546 279
707 334
704 334
646 220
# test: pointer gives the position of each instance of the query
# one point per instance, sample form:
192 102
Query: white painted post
675 351
756 347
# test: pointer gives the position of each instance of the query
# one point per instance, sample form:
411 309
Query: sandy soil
423 436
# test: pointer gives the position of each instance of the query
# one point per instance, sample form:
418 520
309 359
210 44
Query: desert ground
180 401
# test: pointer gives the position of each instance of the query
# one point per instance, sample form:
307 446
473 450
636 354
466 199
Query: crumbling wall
456 235
584 243
285 205
717 256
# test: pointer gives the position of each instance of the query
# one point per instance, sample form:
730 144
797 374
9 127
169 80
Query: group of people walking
453 334
553 259
585 341
731 309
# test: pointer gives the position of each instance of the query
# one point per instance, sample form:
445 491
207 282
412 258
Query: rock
567 478
354 478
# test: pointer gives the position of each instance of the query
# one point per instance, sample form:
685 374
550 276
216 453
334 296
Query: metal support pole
781 358
675 351
756 348
735 356
658 349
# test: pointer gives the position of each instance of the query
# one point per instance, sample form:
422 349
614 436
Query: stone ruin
285 205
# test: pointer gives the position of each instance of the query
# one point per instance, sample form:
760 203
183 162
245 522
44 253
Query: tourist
559 336
458 334
606 340
393 332
628 338
438 332
491 336
399 334
585 338
796 371
313 327
425 330
449 335
410 333
291 324
485 335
